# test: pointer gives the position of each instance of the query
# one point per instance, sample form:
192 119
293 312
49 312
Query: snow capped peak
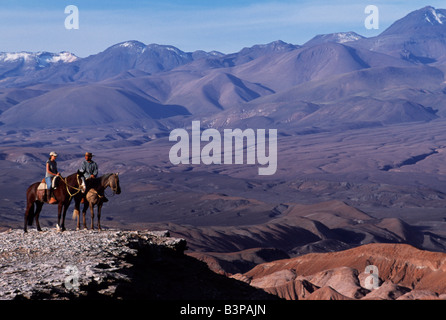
155 46
338 37
216 53
42 58
421 22
434 16
132 44
64 57
126 44
167 48
343 37
14 56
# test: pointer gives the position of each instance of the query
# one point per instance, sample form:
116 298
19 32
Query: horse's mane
96 183
105 177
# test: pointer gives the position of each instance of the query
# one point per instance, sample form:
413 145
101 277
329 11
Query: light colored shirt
88 169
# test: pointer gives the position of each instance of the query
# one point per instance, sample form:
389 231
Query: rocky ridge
39 263
109 264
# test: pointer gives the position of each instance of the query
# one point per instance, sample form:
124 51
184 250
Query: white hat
52 153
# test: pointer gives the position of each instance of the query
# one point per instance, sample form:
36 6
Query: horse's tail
30 214
75 214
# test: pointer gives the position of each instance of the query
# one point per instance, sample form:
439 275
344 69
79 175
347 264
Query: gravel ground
60 265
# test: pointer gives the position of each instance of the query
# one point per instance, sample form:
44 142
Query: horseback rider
89 169
50 173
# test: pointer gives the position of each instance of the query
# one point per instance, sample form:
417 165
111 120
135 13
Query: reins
67 186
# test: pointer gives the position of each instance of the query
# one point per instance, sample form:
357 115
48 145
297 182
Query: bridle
112 182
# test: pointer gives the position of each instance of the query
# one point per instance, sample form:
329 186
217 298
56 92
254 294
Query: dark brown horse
94 196
67 188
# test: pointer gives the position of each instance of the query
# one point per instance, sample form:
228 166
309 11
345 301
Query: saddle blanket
42 186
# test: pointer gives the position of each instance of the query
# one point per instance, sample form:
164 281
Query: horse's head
113 182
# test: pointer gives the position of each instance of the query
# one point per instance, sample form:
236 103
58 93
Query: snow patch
437 17
41 57
347 37
133 45
9 57
64 57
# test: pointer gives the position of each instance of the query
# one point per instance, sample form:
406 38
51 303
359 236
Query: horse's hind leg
29 215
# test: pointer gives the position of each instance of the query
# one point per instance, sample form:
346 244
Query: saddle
41 188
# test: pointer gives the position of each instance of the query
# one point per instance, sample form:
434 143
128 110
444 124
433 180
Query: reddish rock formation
404 272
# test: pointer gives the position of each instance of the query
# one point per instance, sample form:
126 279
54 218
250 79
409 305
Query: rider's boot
51 198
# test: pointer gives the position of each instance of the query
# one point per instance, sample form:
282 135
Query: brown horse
67 188
95 188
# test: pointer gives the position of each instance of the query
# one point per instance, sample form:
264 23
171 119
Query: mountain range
333 81
361 154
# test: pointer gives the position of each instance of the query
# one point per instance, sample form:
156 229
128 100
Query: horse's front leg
65 209
99 215
92 215
76 213
59 216
84 212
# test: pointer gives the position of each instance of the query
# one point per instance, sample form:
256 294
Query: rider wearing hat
50 173
88 170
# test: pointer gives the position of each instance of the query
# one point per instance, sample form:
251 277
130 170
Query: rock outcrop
108 264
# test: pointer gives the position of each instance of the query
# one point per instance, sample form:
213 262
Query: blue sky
226 26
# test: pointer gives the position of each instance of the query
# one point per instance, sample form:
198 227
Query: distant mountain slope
339 37
14 64
339 80
419 37
88 105
298 230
